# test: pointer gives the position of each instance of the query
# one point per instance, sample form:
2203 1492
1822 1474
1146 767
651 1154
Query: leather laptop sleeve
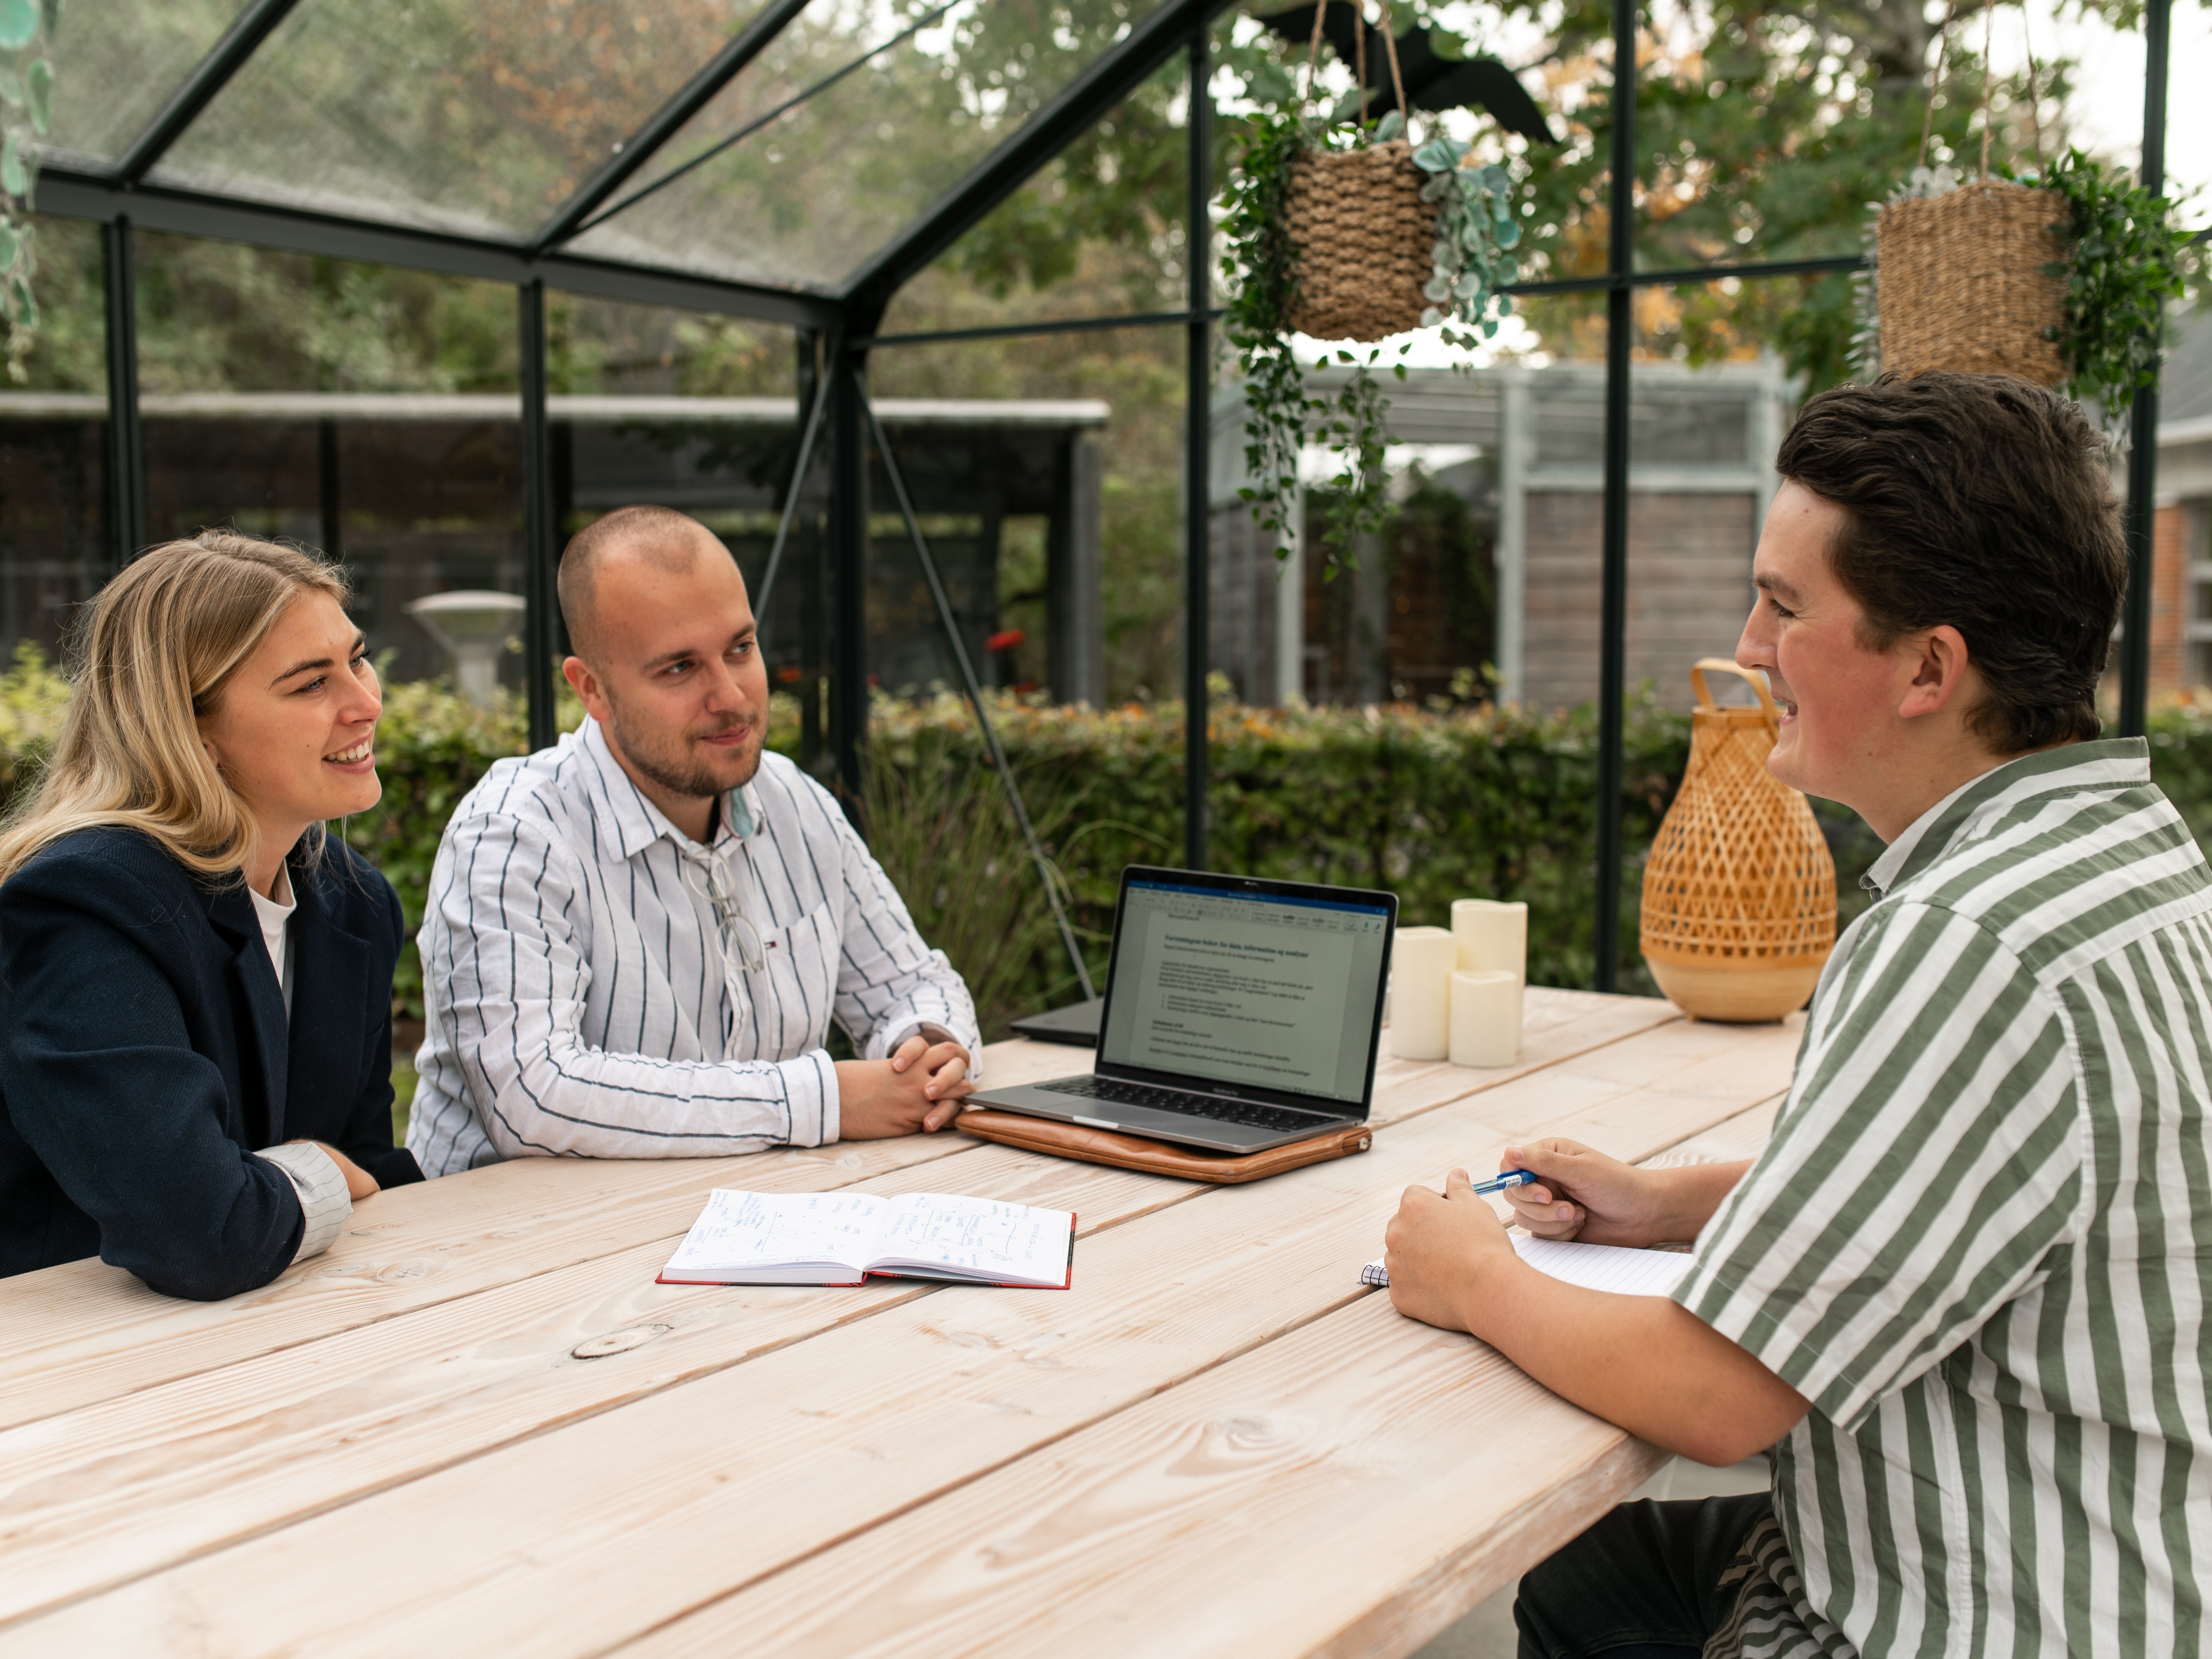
1037 1135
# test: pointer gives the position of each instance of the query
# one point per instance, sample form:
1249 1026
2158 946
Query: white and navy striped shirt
583 1000
1980 1242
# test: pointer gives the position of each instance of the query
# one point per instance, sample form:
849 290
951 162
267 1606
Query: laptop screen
1264 990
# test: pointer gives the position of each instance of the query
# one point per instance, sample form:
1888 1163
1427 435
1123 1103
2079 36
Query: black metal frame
126 453
666 122
846 323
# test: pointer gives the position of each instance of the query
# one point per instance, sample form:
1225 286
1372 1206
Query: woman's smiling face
293 731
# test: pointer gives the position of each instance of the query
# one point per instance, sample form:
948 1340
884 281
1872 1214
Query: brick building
2181 535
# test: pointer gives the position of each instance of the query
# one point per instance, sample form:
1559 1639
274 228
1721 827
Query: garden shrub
1433 804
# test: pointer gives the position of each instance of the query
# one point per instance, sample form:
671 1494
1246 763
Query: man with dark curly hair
1960 1296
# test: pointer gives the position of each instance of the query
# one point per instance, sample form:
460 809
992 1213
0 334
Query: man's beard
677 771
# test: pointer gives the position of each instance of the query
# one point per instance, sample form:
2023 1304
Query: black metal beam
767 117
1688 274
949 621
212 74
541 552
1821 267
848 552
126 451
1612 585
666 122
2143 418
1198 416
74 195
1116 74
1046 325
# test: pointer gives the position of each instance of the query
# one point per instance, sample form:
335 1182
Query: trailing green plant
1261 265
26 111
1474 228
2124 262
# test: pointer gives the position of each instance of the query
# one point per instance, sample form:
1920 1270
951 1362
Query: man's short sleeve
1928 1159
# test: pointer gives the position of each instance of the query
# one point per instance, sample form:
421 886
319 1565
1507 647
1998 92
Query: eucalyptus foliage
1476 231
27 113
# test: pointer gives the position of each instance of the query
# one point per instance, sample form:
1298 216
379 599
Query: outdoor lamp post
475 628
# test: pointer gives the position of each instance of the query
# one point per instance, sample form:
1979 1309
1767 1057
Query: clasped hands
919 1087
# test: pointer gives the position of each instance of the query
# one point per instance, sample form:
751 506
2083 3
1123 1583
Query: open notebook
840 1238
1593 1266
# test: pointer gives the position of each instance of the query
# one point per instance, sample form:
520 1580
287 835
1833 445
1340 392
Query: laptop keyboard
1114 1092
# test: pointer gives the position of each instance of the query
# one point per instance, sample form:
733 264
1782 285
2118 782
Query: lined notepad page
1593 1266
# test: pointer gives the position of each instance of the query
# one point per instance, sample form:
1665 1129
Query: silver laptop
1240 1014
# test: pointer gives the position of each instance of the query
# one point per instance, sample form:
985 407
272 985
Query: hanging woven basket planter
2060 273
1973 281
1362 237
1341 230
1739 910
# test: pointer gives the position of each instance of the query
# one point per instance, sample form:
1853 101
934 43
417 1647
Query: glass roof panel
805 197
480 117
113 74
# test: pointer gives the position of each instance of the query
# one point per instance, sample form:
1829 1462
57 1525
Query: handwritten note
785 1228
977 1237
1594 1266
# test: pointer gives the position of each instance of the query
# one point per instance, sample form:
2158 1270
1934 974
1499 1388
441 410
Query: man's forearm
1692 1192
1637 1361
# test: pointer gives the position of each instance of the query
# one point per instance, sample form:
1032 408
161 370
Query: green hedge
1434 805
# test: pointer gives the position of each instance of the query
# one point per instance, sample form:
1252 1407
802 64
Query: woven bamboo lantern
1364 239
1740 893
1963 282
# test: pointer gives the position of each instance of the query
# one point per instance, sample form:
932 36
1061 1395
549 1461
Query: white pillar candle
1485 1018
1493 937
1421 961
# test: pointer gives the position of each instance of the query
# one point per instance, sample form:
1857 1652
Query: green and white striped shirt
1978 1241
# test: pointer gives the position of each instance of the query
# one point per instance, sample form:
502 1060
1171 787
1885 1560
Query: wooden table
477 1426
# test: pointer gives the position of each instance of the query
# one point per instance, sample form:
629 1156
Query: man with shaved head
636 939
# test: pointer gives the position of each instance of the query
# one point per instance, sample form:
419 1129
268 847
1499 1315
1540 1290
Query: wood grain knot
621 1341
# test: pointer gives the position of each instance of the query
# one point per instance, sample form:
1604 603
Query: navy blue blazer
144 1055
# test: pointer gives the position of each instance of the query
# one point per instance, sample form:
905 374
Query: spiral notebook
1594 1266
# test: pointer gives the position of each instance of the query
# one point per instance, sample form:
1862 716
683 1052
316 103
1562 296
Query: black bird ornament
1433 81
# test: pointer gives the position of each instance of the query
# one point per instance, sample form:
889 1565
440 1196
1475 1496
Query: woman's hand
359 1183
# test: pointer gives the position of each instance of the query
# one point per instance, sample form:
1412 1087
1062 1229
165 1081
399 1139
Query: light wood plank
86 1332
105 1492
1431 1469
1691 1057
73 1335
1743 1136
1404 1473
592 1533
98 1496
1556 1024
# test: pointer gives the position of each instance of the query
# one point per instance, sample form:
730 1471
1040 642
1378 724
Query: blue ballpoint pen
1510 1178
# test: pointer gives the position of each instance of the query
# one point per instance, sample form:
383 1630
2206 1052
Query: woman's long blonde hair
155 650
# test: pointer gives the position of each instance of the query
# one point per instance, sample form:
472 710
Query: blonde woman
195 979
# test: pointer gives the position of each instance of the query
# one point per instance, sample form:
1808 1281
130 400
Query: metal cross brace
1045 872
